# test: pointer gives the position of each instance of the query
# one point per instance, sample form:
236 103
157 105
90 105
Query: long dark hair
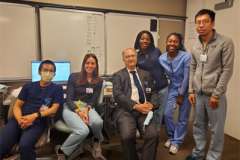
83 73
137 41
180 38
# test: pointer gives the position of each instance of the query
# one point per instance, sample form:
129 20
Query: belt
204 93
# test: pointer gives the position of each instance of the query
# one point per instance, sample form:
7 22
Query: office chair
61 126
43 140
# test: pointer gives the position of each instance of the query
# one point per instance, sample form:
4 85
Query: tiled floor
112 151
231 149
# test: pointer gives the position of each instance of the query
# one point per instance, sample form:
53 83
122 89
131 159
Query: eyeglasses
203 22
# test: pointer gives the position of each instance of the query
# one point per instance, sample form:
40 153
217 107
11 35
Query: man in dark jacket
133 91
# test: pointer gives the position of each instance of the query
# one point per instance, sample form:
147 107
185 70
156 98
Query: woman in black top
148 56
83 91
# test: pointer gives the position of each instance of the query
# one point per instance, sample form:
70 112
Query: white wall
227 23
171 7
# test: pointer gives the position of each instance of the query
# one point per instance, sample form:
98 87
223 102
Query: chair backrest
10 110
105 91
12 99
100 98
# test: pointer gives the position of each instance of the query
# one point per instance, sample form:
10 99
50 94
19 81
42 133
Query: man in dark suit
133 91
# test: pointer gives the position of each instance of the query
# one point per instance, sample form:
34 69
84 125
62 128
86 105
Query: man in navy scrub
36 101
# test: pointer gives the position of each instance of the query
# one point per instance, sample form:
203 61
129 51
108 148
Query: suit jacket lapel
126 74
141 76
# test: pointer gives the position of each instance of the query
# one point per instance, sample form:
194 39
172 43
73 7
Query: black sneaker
190 157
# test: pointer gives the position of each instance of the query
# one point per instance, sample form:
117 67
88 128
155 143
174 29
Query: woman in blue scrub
148 56
176 62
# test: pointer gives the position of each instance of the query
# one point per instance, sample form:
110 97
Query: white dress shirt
135 95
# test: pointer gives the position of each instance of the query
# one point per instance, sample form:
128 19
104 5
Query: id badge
148 90
203 58
89 90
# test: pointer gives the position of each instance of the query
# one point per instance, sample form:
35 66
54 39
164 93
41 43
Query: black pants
27 138
127 124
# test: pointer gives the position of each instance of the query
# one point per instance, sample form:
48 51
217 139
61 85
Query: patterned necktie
139 87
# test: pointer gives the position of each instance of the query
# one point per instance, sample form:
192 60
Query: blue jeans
80 130
158 113
206 117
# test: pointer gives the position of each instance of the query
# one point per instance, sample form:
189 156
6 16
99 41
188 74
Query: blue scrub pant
12 134
176 131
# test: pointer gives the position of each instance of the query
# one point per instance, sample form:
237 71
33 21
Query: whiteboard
18 41
70 34
121 32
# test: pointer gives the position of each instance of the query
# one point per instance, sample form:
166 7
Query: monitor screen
62 71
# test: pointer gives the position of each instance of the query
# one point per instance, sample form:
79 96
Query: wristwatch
39 114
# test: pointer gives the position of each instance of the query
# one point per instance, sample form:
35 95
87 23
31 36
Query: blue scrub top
34 96
177 70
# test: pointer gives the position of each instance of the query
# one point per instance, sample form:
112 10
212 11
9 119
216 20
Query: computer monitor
63 71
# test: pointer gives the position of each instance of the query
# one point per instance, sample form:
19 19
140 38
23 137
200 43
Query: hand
213 102
83 114
24 125
20 121
149 105
180 99
26 121
192 99
144 108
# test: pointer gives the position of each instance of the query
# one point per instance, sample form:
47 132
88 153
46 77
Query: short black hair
46 62
137 41
206 11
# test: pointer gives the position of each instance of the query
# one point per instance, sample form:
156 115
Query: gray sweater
211 77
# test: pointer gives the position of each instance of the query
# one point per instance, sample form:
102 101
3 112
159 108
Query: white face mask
47 76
